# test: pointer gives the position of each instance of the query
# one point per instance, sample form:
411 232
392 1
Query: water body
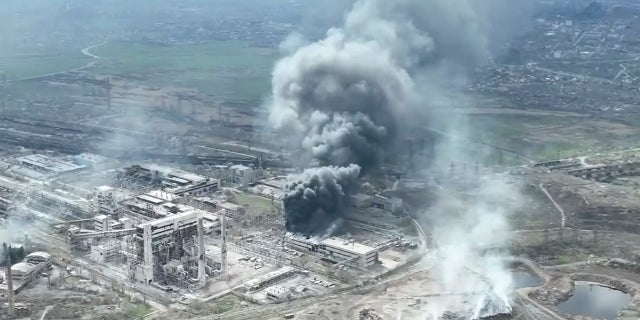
596 301
524 279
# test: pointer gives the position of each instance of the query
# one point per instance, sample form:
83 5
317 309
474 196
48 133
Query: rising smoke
470 230
346 98
346 95
315 199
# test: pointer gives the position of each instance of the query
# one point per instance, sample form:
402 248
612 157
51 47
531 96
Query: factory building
180 182
335 250
244 175
269 278
162 241
105 223
105 251
277 293
231 210
210 204
26 272
105 202
48 165
379 201
39 257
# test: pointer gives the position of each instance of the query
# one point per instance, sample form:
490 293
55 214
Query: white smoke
470 231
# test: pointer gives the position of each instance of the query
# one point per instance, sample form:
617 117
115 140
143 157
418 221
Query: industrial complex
320 160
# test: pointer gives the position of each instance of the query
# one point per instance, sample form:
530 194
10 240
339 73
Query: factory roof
175 173
104 188
39 254
150 199
100 217
22 268
349 246
276 291
268 276
51 164
166 196
277 183
172 218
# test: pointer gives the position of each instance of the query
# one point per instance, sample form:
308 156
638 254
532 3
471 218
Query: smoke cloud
316 198
346 95
470 231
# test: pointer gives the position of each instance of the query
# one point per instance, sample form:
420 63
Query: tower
223 246
202 276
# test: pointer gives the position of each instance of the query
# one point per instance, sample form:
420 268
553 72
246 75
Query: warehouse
335 250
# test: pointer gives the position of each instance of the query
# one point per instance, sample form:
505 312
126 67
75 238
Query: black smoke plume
344 99
317 197
346 94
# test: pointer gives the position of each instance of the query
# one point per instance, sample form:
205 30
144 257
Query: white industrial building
181 182
26 272
335 250
39 257
171 238
269 278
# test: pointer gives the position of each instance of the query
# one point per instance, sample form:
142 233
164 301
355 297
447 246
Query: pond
595 300
524 279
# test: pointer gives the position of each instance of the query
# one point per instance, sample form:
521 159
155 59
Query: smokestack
7 251
202 276
223 246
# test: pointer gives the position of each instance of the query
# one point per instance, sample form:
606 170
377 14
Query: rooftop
39 254
55 165
346 245
22 267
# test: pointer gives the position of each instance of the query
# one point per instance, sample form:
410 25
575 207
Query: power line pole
7 251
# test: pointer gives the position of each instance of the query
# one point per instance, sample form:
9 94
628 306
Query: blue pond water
596 301
523 279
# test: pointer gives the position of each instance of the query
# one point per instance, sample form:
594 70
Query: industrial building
210 204
39 257
176 181
105 202
335 250
379 201
27 272
170 241
39 165
269 279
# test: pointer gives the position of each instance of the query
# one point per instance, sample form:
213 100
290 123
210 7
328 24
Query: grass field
227 70
546 136
18 66
256 203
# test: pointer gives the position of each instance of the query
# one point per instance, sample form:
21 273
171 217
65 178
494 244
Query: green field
18 66
227 70
544 136
254 202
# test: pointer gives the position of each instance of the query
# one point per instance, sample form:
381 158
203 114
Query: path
46 310
84 51
563 217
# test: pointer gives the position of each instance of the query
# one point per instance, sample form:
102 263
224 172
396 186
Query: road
563 217
46 310
85 51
